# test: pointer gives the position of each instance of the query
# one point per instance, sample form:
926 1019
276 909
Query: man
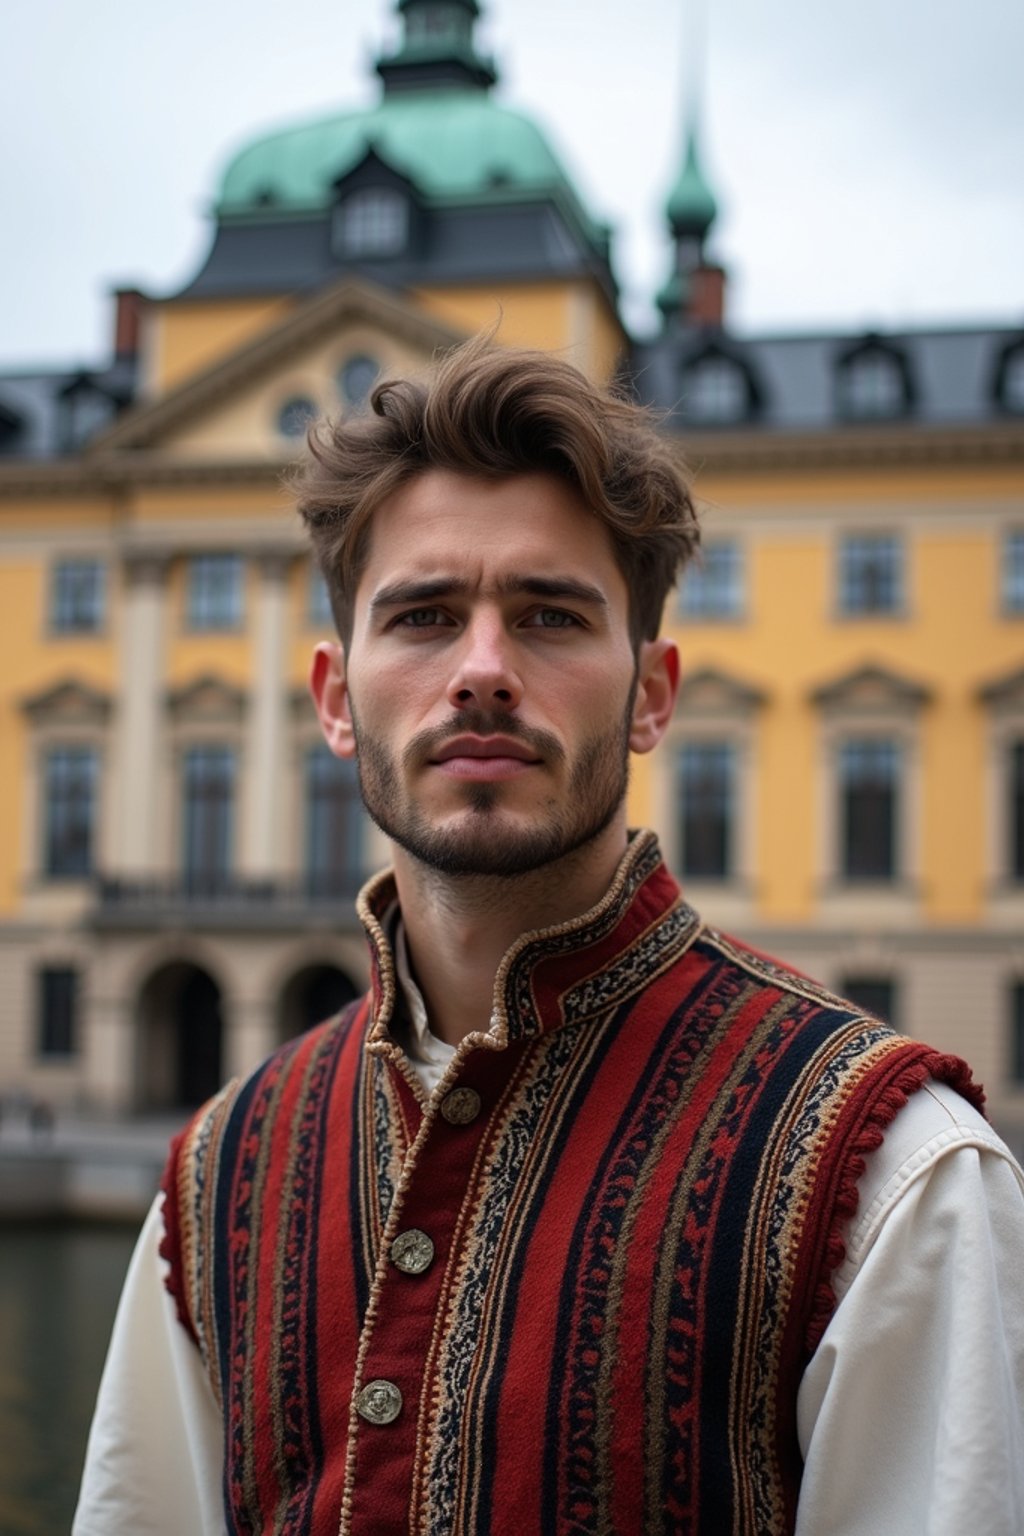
587 1218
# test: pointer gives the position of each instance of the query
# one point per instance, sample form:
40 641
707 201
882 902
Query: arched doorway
314 994
180 1038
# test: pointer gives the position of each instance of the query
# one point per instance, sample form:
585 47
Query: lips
485 747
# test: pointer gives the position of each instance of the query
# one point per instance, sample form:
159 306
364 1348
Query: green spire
437 48
691 208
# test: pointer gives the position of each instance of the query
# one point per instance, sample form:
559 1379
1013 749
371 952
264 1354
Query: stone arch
179 1037
316 991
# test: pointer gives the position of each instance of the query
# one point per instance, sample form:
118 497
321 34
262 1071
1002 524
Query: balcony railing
223 900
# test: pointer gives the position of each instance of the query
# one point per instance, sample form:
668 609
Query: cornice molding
859 448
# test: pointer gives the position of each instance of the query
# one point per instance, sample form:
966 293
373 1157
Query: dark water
58 1291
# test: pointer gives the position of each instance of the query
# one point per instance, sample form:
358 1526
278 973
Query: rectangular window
214 593
1016 809
713 583
1017 1031
70 778
318 609
871 575
869 791
77 597
707 774
57 1033
875 994
209 793
334 825
1013 572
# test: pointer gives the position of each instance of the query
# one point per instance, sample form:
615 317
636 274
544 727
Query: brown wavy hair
496 412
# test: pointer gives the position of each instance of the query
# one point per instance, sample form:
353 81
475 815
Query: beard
486 839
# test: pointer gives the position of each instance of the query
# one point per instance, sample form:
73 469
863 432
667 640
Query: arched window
873 383
716 390
356 377
295 415
1009 387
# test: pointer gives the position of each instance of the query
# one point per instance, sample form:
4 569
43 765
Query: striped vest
576 1291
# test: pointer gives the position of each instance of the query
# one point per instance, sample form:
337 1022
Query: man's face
489 690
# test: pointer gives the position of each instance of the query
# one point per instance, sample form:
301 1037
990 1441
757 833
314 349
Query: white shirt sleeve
911 1412
154 1458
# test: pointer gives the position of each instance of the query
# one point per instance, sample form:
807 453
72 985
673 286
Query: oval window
357 377
295 416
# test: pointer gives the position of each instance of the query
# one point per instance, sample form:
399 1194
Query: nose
485 674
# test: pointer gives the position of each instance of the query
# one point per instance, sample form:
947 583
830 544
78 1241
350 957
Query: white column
264 810
137 752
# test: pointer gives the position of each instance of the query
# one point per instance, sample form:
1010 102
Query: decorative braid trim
929 1065
171 1248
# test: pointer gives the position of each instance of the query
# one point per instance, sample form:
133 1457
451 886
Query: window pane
209 794
374 222
1013 572
334 825
294 417
873 386
707 791
70 786
715 390
869 779
1016 817
214 592
319 603
712 584
77 600
356 378
871 574
57 1002
875 994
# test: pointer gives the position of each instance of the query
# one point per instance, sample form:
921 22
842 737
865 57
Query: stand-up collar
551 976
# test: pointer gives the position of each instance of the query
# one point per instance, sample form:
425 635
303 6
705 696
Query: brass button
380 1402
412 1252
461 1106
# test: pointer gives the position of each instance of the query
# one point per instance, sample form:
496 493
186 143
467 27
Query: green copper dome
453 144
691 208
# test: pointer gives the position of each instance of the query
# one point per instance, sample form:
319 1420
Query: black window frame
57 1012
864 593
209 787
1016 1021
1011 575
78 596
334 824
869 829
213 606
709 595
707 778
70 781
876 993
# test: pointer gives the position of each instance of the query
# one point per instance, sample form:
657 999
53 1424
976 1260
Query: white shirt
910 1414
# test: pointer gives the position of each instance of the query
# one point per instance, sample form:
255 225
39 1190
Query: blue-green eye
421 618
554 618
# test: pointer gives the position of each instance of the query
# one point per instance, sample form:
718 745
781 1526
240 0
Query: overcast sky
868 158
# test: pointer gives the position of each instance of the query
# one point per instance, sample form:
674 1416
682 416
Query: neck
459 928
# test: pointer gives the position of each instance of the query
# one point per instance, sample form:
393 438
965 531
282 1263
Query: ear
329 688
657 686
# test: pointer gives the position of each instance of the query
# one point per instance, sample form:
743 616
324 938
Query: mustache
479 722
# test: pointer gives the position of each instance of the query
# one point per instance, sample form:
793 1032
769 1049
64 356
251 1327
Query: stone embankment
65 1166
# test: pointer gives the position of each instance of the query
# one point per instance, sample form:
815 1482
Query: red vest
573 1294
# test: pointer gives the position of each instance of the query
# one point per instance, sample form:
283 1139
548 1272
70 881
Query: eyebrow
512 585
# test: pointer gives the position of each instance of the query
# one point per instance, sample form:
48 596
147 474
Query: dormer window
372 222
873 383
1009 386
717 390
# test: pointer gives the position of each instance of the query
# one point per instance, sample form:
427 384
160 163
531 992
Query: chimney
706 296
129 306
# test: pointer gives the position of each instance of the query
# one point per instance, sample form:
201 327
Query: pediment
1005 693
207 698
710 691
69 702
232 410
871 689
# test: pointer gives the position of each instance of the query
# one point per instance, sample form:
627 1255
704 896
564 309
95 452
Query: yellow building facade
843 784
